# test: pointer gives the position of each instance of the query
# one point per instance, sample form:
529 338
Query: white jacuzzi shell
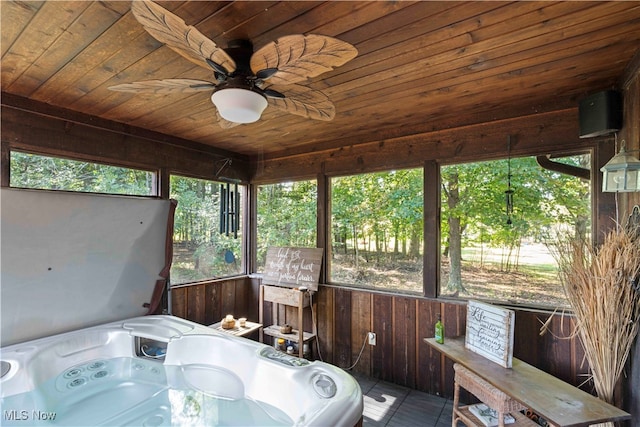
74 266
197 358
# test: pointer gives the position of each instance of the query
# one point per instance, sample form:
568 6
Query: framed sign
293 267
490 332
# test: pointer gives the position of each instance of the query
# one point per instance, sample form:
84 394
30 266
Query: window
54 173
485 257
203 246
287 216
377 230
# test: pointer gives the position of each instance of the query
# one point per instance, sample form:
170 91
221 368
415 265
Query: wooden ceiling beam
531 135
36 109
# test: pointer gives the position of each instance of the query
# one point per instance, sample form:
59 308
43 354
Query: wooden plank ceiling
421 66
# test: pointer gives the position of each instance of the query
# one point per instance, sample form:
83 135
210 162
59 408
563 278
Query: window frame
431 211
244 190
329 238
435 171
255 231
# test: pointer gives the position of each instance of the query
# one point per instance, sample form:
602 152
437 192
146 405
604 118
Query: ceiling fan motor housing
241 51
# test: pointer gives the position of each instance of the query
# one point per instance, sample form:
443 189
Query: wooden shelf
274 331
287 297
237 330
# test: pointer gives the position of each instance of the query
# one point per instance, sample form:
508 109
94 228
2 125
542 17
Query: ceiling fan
245 81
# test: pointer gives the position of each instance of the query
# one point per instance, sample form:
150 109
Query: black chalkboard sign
293 267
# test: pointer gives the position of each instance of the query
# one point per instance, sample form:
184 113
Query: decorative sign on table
293 267
490 332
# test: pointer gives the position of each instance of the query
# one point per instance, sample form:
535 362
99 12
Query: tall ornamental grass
603 288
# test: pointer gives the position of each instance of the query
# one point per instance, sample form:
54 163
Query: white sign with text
490 332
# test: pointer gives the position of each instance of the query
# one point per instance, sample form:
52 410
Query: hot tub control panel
285 359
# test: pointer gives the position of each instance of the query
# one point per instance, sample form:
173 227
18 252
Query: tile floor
387 404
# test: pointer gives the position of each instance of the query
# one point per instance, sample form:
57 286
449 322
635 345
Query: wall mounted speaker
600 114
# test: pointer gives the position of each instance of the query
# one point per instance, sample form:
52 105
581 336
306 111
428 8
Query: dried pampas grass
603 288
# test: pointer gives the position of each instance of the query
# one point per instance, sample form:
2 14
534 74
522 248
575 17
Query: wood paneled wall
630 131
344 316
209 302
631 134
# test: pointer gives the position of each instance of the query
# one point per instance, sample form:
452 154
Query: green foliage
200 250
544 202
286 216
373 215
389 203
53 173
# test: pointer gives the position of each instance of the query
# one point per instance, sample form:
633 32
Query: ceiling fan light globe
239 105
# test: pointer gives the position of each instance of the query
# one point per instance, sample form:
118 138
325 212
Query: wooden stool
489 395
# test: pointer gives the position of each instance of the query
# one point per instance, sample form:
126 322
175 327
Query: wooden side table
237 330
488 395
558 402
293 298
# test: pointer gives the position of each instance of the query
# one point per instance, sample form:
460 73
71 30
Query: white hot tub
78 272
163 370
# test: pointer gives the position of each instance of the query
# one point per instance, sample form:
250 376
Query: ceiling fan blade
165 86
303 101
185 39
297 57
270 93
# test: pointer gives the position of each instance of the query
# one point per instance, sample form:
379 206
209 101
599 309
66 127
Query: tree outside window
377 230
56 173
287 216
200 250
483 256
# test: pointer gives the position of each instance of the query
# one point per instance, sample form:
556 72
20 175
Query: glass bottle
439 335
